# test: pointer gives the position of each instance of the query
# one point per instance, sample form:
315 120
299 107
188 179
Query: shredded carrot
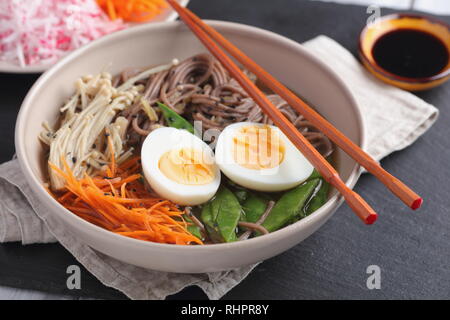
132 10
111 10
121 204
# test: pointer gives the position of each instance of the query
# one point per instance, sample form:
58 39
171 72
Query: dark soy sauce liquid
410 53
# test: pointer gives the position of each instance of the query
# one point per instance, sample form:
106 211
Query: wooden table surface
412 249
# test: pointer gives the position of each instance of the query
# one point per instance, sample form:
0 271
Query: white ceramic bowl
166 15
158 43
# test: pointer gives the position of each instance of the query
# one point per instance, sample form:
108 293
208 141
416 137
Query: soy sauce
411 53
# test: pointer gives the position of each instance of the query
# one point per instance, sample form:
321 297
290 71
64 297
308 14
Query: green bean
174 120
289 206
221 216
254 207
319 198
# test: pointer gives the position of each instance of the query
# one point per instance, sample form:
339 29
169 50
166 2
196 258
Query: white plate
168 15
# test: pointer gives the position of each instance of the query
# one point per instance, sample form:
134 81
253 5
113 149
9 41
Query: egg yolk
186 166
257 147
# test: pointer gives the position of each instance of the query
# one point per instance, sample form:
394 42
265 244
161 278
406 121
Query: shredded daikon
41 31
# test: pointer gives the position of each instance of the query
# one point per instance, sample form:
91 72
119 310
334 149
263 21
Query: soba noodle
105 122
200 88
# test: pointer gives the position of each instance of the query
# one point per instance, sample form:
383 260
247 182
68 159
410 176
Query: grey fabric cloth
394 119
24 218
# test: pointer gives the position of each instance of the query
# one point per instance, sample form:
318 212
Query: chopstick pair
208 35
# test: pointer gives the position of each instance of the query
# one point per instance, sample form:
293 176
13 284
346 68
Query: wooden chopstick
402 191
356 202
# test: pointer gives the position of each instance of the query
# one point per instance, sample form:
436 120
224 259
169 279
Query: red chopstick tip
371 218
417 203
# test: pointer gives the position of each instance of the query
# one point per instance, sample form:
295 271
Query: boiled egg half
179 166
260 157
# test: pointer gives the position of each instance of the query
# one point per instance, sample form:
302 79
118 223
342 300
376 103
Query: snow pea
193 229
241 195
314 175
254 207
289 207
174 120
319 198
209 223
221 216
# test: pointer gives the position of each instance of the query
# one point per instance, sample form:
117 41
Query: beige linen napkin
394 119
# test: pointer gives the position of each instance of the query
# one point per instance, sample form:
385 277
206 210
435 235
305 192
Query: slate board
411 248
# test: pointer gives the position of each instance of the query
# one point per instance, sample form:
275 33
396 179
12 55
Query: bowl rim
59 210
397 16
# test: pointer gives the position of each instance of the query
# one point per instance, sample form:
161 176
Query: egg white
162 140
292 171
